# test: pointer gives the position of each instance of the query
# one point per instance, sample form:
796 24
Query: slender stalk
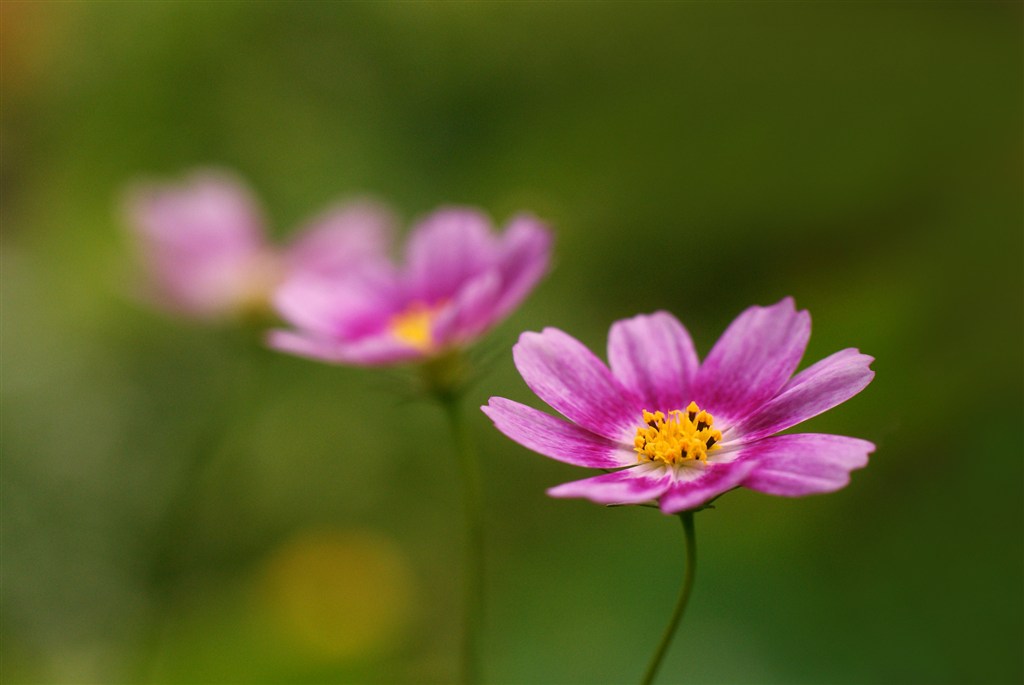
684 596
168 560
169 557
473 547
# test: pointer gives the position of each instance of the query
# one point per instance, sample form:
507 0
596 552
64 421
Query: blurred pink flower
673 429
205 250
458 279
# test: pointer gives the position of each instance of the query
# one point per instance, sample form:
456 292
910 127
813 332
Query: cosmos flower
206 255
457 280
670 428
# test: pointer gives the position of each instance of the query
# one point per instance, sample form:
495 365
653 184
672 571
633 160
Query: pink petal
630 486
525 251
804 463
471 312
447 249
556 438
341 307
654 356
820 387
752 360
342 238
209 210
370 351
566 375
202 242
695 486
482 301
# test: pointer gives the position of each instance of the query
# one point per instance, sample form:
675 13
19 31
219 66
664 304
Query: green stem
684 595
169 558
473 547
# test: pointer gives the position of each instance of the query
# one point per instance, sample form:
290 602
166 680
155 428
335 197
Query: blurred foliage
174 497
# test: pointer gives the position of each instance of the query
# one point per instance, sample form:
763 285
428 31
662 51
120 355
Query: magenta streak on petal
448 248
566 375
654 356
690 493
556 438
804 463
816 389
752 360
631 486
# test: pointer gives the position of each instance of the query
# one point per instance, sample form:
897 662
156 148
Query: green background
698 157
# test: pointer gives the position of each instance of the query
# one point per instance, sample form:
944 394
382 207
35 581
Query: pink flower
206 254
680 431
458 279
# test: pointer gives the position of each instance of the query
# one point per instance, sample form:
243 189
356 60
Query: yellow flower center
679 438
413 326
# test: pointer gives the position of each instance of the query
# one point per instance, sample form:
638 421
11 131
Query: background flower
683 432
457 280
205 250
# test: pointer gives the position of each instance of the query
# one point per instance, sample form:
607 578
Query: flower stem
684 595
473 547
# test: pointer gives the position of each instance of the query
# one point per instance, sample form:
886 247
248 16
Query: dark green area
697 157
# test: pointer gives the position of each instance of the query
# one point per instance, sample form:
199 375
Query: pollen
413 326
684 436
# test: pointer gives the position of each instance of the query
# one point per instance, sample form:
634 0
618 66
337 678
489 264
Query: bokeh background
181 506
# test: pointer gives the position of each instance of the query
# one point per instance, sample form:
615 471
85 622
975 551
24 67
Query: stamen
679 438
414 326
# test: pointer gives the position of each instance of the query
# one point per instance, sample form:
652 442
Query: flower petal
370 351
817 388
804 463
695 486
654 356
343 307
202 241
342 238
630 486
470 312
752 360
525 250
566 375
483 300
556 438
209 211
447 249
